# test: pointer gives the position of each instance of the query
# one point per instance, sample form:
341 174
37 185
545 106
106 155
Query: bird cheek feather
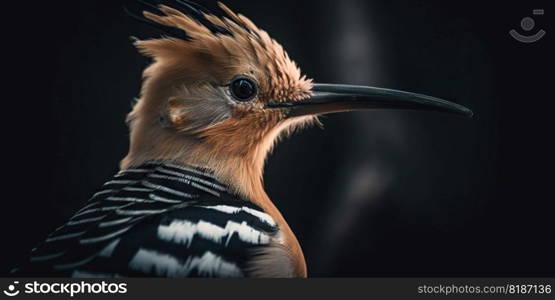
242 133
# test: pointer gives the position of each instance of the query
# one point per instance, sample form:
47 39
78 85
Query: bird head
221 92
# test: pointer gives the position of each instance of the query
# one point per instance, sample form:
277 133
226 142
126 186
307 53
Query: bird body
162 220
189 200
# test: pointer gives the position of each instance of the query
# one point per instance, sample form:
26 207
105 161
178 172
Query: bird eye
243 88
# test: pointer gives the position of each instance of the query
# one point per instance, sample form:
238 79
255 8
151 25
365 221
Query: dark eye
243 88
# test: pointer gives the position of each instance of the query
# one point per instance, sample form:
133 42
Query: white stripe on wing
129 199
64 237
167 189
104 237
183 232
84 221
86 274
121 182
138 212
187 169
165 265
193 178
114 222
109 250
262 216
186 181
46 257
162 199
136 189
100 209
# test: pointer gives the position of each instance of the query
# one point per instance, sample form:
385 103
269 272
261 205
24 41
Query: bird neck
242 173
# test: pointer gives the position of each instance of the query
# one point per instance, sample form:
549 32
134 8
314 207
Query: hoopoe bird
189 199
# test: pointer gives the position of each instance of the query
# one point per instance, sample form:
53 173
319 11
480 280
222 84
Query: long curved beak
332 98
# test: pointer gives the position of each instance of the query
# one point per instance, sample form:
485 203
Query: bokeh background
380 193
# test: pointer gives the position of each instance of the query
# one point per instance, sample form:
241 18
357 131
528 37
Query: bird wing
156 221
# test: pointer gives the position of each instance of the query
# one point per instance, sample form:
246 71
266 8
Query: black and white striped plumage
156 220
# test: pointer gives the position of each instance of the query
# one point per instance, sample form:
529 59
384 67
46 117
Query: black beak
332 98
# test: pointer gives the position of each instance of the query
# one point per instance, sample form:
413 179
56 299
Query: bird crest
224 47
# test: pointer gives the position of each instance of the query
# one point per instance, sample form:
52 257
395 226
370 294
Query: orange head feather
188 112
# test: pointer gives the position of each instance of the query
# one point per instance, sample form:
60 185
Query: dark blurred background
381 193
